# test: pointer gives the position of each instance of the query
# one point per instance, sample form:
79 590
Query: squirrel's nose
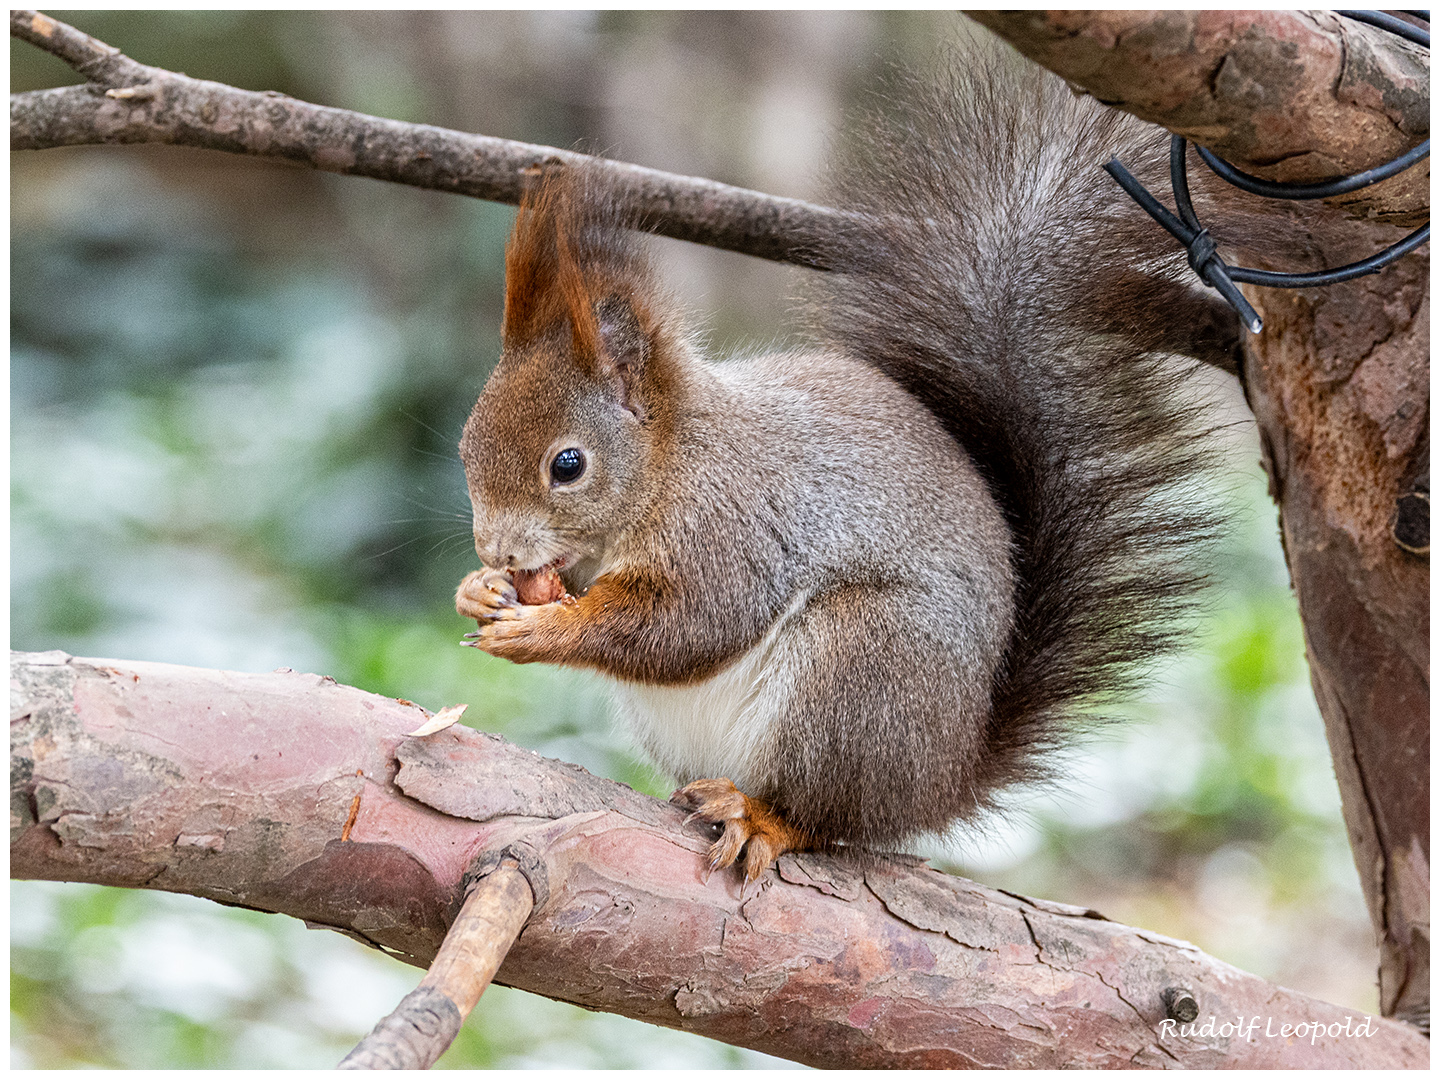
503 540
493 555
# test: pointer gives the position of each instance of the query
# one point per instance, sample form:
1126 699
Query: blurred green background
236 390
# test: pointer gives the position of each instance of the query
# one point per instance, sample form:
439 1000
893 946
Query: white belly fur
718 727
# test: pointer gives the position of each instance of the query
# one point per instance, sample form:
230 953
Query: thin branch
236 787
426 1021
129 102
98 62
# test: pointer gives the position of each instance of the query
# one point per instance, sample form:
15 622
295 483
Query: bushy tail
1003 279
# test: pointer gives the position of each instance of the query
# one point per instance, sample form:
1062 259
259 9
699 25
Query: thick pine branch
1293 96
238 787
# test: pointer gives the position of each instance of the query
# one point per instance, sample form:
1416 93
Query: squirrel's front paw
487 594
510 637
507 628
750 826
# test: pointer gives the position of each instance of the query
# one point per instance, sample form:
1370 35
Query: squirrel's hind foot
750 826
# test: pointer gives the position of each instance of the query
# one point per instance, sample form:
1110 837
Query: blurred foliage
236 392
254 49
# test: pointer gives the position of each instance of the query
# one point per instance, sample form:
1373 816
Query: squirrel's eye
567 466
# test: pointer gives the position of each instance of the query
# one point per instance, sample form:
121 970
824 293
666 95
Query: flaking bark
236 787
1339 380
1292 96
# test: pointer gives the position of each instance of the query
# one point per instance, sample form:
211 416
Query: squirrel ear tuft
570 265
545 273
623 350
530 258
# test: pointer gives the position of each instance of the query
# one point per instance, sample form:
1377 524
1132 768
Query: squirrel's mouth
543 584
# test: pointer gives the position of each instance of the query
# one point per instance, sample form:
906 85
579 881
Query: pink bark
237 787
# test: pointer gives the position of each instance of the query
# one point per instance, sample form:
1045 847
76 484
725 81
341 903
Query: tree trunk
1339 379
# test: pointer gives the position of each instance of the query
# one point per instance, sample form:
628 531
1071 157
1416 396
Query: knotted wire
1200 248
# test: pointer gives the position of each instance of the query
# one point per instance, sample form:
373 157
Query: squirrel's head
561 451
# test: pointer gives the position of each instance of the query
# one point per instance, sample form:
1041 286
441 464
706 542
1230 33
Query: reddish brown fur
573 288
546 269
527 258
585 324
615 628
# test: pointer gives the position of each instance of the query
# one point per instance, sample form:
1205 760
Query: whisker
446 537
427 427
427 521
463 514
449 543
391 550
436 454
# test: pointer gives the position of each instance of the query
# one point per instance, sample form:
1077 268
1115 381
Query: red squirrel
849 593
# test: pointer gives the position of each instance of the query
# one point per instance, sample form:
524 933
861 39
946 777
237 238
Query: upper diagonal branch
129 102
98 62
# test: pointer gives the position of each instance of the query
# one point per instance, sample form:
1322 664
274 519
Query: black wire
1325 189
1373 265
1200 248
1211 269
1180 184
1394 25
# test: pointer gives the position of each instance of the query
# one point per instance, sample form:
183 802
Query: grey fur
872 582
810 479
